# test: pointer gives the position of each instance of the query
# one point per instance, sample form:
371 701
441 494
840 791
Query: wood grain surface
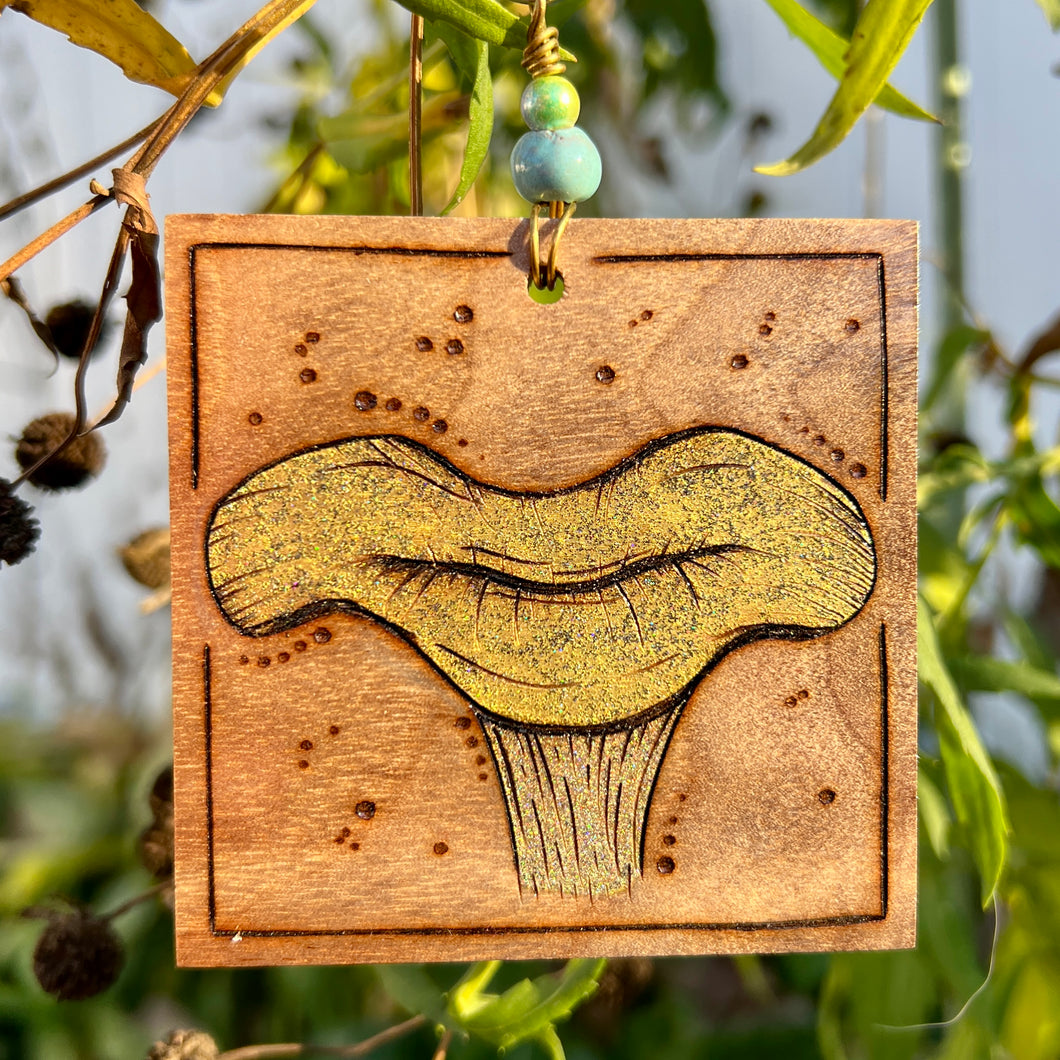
340 797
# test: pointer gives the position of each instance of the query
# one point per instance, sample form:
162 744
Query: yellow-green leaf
1052 12
881 35
831 49
974 787
121 31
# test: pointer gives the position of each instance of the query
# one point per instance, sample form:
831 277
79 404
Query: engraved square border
842 920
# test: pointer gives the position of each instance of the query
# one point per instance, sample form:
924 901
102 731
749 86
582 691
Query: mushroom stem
578 801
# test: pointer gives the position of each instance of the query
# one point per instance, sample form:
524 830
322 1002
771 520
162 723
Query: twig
29 197
300 174
151 892
416 116
45 239
443 1046
286 1049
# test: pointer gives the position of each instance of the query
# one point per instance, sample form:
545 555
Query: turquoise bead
550 103
556 165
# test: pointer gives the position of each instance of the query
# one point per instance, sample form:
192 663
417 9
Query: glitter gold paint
577 621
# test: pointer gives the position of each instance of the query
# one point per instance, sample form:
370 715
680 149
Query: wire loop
547 277
541 54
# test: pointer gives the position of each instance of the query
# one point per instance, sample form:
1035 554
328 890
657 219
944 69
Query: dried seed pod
185 1045
77 956
79 461
161 796
18 529
146 557
156 850
69 324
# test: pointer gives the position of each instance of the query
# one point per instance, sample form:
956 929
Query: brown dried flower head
185 1045
77 463
146 557
18 529
77 956
69 324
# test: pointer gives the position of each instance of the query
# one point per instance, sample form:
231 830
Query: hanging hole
544 296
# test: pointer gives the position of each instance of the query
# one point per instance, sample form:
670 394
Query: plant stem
282 1050
416 116
950 81
56 184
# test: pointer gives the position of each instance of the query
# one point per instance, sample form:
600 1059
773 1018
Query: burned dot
454 347
803 694
463 314
345 832
299 645
480 760
858 471
765 329
441 848
472 741
340 839
421 414
244 659
791 701
424 344
462 442
342 836
306 745
673 820
283 657
308 375
669 840
321 635
770 316
838 455
355 846
826 796
462 723
820 439
264 660
665 865
312 336
255 418
482 776
303 764
439 426
301 350
632 323
647 314
681 797
364 400
739 361
852 325
365 809
605 374
393 404
333 730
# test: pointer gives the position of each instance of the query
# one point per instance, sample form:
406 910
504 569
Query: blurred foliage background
84 809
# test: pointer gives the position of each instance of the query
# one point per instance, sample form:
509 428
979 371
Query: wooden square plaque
504 629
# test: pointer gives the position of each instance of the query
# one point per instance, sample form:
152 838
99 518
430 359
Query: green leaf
678 47
413 989
1037 519
121 31
472 58
934 815
884 29
484 20
1051 8
975 789
998 675
954 345
831 49
528 1010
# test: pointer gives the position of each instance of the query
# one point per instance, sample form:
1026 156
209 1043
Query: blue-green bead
550 103
556 165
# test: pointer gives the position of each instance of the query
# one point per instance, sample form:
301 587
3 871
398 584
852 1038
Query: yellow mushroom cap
582 607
